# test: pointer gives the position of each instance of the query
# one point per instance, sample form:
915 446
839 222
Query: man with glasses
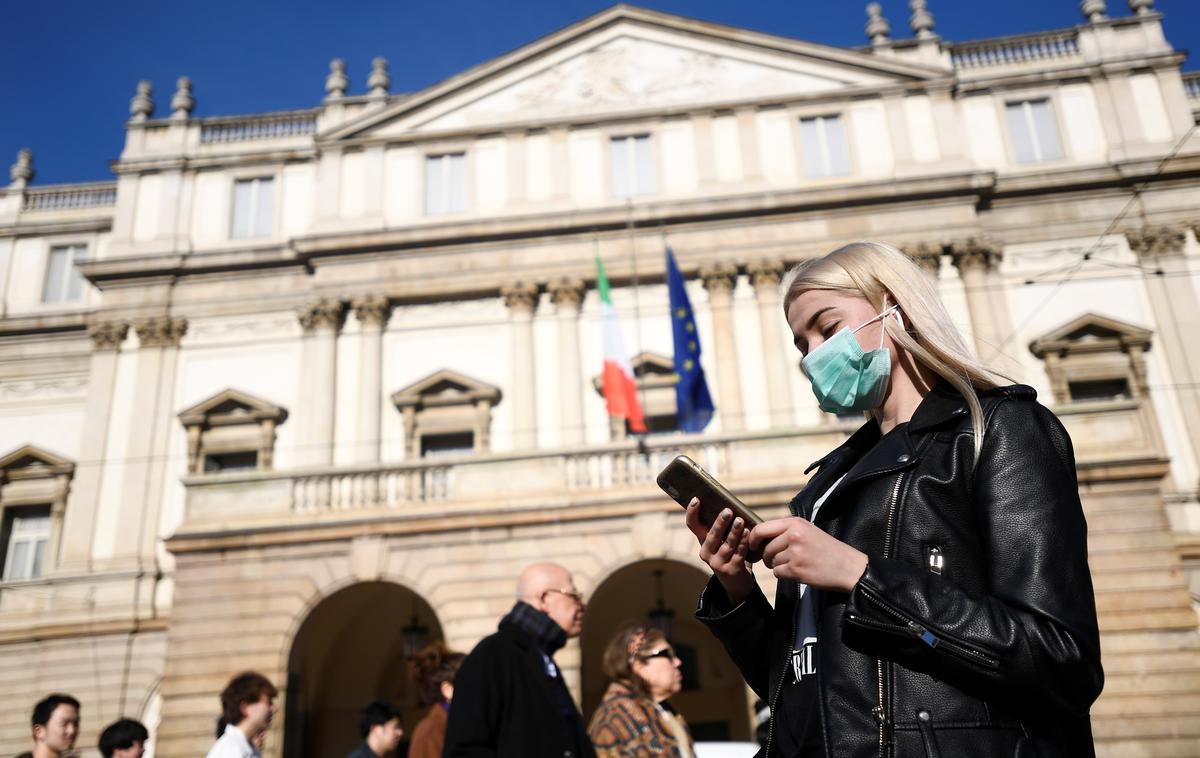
509 696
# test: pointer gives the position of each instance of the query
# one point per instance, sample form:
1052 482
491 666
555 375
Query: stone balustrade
70 196
1017 51
259 127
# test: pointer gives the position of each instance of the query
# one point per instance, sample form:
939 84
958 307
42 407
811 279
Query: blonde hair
873 270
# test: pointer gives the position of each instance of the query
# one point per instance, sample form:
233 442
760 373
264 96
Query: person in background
434 668
379 725
125 738
55 726
248 707
634 719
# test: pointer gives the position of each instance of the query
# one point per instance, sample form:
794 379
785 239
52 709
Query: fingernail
737 522
726 513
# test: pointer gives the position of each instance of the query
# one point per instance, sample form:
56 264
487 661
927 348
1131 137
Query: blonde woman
934 597
634 719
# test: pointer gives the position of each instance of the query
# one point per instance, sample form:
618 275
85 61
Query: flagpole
637 305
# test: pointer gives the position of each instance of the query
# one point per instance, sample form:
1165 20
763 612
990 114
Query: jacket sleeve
1032 640
472 729
749 632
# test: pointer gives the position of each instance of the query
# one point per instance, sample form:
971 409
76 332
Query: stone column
146 456
84 500
372 313
976 261
321 321
1175 307
566 294
927 255
521 299
720 279
765 276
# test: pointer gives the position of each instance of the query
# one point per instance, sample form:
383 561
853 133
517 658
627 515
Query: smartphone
683 479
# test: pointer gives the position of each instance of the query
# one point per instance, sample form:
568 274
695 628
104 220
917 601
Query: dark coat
505 706
973 630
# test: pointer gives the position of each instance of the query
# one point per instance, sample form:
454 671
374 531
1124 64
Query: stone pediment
230 407
30 462
625 60
446 387
1092 332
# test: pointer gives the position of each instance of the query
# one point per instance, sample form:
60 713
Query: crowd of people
933 594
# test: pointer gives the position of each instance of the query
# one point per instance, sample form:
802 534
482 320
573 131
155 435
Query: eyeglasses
667 652
576 596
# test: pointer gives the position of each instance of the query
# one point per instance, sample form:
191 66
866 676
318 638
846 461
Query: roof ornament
336 83
921 21
379 82
1094 10
1141 7
878 28
182 102
141 107
21 172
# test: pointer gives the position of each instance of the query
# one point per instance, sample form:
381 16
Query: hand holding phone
684 480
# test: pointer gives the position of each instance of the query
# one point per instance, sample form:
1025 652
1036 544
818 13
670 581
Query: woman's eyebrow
813 318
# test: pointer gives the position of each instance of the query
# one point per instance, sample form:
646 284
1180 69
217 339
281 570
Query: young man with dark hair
379 724
55 726
125 738
247 706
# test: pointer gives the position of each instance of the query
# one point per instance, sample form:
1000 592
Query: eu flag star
681 313
689 364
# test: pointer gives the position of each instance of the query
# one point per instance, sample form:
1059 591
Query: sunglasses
663 652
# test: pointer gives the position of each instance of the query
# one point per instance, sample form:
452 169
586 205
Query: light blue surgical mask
844 377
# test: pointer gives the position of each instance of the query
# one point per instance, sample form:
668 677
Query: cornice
47 228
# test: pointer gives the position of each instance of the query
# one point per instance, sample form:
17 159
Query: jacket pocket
928 735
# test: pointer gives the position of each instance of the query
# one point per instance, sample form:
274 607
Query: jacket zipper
880 711
783 678
913 629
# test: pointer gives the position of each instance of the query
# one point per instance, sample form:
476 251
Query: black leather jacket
973 630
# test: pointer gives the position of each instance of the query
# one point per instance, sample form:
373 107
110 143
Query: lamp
415 635
660 616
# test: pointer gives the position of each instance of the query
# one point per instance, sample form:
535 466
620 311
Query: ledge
16 326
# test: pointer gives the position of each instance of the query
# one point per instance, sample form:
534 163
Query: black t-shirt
798 722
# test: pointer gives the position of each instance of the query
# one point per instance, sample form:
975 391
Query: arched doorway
349 651
713 699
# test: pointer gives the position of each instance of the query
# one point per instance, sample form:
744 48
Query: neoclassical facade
302 390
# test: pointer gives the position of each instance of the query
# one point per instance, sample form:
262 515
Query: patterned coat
630 725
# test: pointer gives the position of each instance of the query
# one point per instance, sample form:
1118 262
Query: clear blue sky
68 68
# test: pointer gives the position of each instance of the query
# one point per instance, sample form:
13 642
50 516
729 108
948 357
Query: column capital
160 331
520 296
765 274
107 335
975 253
1156 241
325 313
372 309
567 291
719 278
927 255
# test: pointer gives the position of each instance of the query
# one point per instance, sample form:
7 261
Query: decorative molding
927 255
160 331
372 310
326 313
765 274
975 253
1156 241
44 387
108 335
182 103
720 277
567 292
141 107
337 82
257 420
520 296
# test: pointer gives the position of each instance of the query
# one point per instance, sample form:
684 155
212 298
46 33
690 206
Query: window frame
255 178
10 515
821 116
448 208
1024 98
73 267
631 137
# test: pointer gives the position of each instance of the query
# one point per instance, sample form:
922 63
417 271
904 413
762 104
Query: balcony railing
1040 49
247 128
70 196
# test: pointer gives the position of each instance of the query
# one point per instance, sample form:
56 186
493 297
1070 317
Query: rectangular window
253 208
1099 389
28 534
240 461
63 282
1034 132
447 444
445 183
632 166
826 152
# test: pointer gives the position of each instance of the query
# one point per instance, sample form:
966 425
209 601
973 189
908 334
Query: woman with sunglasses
933 593
634 719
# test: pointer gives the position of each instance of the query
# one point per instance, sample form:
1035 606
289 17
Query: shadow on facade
713 699
349 651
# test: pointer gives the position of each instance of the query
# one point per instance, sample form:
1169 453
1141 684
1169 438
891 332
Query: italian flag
620 393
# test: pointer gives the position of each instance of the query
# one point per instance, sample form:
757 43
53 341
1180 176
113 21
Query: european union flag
694 406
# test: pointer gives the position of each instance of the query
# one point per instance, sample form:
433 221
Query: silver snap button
924 715
904 458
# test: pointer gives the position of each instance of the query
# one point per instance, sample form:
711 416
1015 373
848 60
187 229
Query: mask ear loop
883 321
